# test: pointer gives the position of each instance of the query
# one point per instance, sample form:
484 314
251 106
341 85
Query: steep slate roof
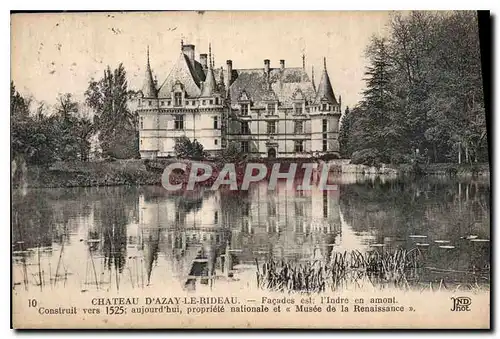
149 88
325 90
189 75
283 84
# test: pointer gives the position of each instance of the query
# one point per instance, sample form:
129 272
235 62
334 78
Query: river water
110 238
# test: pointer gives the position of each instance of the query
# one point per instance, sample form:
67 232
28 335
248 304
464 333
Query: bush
330 156
367 156
232 153
187 149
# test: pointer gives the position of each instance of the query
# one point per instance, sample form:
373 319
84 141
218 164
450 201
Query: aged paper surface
249 170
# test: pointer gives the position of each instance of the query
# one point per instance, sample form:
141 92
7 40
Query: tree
116 125
19 106
187 149
232 153
344 133
423 93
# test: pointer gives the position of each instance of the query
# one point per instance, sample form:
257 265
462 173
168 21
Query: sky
60 53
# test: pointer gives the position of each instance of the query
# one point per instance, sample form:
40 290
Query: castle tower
325 91
149 88
325 120
209 86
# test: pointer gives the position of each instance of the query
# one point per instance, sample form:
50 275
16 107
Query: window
216 101
245 226
177 99
244 109
163 103
216 141
325 204
244 146
325 125
270 108
141 142
142 123
211 102
216 217
149 103
299 127
168 103
298 109
271 127
179 121
216 122
324 107
299 209
245 209
325 145
271 208
203 102
245 129
299 146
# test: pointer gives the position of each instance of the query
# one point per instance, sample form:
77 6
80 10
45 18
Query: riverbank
88 174
141 172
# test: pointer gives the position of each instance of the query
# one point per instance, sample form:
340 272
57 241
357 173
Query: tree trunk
459 153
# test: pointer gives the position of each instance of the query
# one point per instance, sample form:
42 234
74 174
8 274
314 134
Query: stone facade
267 112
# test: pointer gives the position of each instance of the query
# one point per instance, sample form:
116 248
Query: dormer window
244 109
177 99
270 108
298 108
325 107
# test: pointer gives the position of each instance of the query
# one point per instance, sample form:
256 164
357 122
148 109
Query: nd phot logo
461 304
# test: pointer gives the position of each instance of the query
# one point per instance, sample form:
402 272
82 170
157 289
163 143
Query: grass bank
87 174
144 172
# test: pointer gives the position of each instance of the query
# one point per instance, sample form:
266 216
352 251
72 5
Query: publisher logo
461 304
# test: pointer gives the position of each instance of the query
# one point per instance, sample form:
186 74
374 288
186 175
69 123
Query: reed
379 268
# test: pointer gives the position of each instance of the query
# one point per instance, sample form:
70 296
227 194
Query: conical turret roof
325 90
209 86
149 88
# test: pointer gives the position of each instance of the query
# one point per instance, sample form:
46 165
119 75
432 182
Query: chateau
268 112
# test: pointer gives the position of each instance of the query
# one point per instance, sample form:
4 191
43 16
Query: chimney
229 68
189 51
266 66
282 64
203 60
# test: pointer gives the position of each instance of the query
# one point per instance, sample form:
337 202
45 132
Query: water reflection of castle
209 226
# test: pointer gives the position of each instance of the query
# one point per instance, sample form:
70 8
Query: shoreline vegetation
400 268
135 172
